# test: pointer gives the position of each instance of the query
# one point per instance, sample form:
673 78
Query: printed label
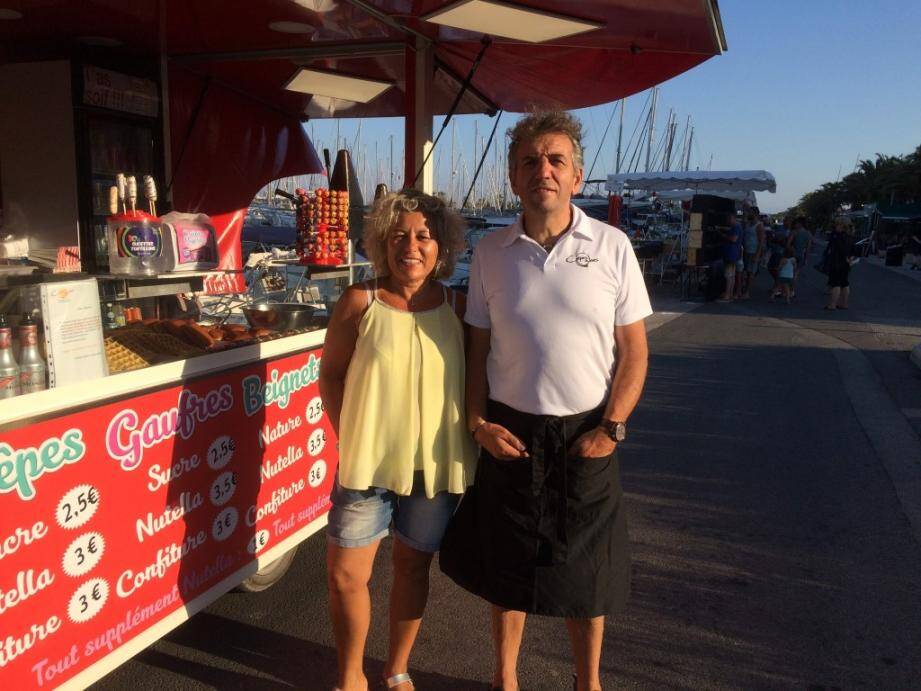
140 240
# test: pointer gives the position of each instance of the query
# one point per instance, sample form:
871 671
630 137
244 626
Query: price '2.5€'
77 506
221 452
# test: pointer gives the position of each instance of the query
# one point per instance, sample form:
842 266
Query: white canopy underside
700 181
685 195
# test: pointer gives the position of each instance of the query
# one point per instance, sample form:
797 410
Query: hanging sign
116 91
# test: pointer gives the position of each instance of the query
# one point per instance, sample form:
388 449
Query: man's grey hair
546 122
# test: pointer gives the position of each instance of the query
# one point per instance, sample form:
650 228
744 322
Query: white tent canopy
685 195
700 181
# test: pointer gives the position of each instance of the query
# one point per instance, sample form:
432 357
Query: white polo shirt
552 315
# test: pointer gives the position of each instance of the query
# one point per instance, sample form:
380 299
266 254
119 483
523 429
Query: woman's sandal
396 680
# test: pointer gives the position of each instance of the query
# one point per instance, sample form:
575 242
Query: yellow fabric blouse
403 405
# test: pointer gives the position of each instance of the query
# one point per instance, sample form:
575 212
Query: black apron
545 534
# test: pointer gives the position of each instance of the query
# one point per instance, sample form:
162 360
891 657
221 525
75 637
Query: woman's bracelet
477 429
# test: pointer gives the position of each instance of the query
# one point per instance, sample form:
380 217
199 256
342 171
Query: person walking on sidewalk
557 358
839 261
392 383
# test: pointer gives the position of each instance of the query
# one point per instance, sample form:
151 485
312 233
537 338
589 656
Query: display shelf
25 409
37 277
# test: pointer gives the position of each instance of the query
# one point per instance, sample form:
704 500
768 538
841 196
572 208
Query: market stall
710 195
153 458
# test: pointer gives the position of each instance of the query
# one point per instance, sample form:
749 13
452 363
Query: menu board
120 521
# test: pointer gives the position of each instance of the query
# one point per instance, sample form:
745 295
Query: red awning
641 43
246 129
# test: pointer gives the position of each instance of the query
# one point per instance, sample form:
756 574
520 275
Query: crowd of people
754 245
467 424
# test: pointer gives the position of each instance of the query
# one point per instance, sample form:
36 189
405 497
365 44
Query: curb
915 356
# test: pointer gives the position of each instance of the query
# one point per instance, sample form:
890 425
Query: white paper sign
73 332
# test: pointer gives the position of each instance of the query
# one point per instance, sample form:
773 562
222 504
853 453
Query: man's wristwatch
616 430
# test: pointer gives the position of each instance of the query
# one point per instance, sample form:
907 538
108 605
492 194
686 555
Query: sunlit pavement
772 471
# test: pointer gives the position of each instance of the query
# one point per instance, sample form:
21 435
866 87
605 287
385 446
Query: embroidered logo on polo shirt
580 258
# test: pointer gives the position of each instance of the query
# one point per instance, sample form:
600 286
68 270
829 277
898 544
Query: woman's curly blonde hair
445 224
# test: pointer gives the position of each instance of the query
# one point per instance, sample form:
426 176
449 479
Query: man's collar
580 227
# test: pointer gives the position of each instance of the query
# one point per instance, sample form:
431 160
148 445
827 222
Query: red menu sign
119 522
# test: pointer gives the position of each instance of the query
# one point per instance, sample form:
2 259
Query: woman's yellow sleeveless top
403 405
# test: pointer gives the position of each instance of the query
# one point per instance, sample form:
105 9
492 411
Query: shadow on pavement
247 657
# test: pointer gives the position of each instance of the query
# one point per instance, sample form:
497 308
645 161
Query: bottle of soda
31 366
9 370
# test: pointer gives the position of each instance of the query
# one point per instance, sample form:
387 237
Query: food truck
152 456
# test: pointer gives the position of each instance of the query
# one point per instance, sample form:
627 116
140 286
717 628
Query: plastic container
193 241
139 245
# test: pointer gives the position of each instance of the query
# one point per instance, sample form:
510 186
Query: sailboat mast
652 126
672 126
687 162
391 162
620 133
453 164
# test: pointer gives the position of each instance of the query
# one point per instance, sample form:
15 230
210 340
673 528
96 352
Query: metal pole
620 133
652 126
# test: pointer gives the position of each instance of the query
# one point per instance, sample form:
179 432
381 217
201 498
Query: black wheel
268 575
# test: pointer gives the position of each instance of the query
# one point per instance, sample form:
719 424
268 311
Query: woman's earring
438 265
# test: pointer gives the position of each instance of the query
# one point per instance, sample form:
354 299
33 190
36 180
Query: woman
392 382
838 257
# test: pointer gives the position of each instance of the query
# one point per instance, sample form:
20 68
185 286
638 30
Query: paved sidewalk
906 271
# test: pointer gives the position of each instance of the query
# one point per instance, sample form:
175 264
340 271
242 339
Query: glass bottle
9 369
31 365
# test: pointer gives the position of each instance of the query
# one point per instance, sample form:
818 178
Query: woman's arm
338 348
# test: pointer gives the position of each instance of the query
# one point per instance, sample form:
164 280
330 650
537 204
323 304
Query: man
556 363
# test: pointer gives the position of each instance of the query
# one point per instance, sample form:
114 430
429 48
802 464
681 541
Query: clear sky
805 89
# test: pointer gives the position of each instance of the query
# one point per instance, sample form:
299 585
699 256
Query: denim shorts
360 517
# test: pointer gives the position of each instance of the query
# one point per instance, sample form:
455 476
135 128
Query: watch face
619 431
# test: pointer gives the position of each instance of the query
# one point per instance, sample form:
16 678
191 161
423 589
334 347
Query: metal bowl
280 316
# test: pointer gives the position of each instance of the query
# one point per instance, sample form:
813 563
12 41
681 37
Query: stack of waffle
134 348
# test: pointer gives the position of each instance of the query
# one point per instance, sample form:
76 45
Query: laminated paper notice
73 332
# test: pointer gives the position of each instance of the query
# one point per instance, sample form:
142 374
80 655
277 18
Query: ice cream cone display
322 226
344 179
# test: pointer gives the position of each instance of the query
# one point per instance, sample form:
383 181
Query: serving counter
129 503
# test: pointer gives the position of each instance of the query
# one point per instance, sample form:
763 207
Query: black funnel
343 179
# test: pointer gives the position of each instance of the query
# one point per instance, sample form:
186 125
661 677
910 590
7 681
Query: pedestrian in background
839 260
392 382
779 241
752 249
732 255
786 270
801 242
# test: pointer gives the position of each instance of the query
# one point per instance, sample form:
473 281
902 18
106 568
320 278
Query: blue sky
805 89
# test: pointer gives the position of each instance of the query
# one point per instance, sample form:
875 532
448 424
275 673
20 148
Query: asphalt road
773 475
